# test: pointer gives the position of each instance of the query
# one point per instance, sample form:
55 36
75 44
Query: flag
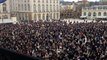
1 1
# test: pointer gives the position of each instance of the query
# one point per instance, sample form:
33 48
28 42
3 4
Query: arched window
57 15
39 16
43 16
35 16
5 17
105 14
4 7
89 14
50 16
94 14
84 13
99 13
54 15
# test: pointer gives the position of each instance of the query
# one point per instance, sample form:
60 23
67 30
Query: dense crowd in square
56 40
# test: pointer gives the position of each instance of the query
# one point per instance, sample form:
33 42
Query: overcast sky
80 0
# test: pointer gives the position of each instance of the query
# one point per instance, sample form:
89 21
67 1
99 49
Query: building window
94 8
29 7
50 1
38 1
57 15
54 15
39 8
39 16
89 14
35 17
47 8
99 13
5 17
42 1
99 7
43 16
46 1
28 0
57 7
34 7
43 8
54 1
50 8
4 7
84 13
21 7
50 16
105 13
25 7
34 0
94 14
104 7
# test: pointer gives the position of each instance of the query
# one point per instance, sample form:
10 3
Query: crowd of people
56 40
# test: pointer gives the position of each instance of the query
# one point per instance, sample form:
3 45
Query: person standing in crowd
56 40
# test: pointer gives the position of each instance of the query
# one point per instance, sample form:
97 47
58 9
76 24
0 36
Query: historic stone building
5 10
95 12
31 9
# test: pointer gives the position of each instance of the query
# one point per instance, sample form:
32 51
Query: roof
99 6
67 3
96 6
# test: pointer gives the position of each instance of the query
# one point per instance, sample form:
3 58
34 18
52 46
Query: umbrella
1 1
